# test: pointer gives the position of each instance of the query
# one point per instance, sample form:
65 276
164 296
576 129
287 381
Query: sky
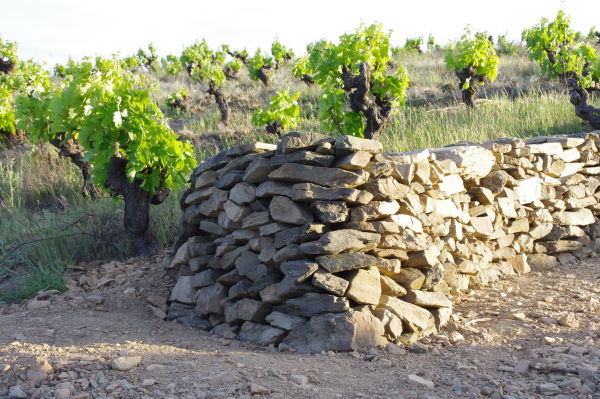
54 30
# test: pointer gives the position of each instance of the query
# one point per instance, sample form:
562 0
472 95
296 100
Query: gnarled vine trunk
6 66
263 76
376 112
274 127
73 150
469 95
579 98
308 79
221 101
136 218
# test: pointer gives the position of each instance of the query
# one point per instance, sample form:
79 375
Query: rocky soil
530 336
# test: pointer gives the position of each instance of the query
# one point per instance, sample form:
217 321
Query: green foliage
280 52
431 44
109 111
203 64
554 46
330 63
257 62
171 64
506 47
283 109
474 52
8 51
300 67
234 65
148 58
176 99
413 45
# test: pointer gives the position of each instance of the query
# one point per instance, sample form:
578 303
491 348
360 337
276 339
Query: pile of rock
321 243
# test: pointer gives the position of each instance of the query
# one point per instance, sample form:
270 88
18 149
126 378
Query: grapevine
282 113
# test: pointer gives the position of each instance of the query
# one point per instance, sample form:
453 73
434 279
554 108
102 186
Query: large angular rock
495 181
529 190
415 318
284 321
260 333
214 204
234 211
330 211
406 240
242 193
295 141
330 282
339 332
581 217
211 300
365 287
284 210
391 322
258 170
374 210
344 240
474 162
246 310
285 289
205 278
303 157
270 188
386 188
183 291
229 179
328 177
391 288
309 192
348 144
248 265
346 261
410 278
311 304
428 299
408 222
256 219
353 161
299 270
297 235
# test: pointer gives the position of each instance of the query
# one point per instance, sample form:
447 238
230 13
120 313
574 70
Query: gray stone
178 310
205 180
374 210
210 299
299 270
348 144
249 265
270 188
312 303
229 179
284 210
234 211
342 240
365 287
256 219
242 193
337 332
240 289
353 161
260 333
229 278
376 226
297 235
303 157
212 228
309 192
225 330
346 261
214 204
295 141
330 211
227 261
197 197
330 282
495 181
290 252
258 170
284 289
15 392
329 177
246 310
205 278
183 291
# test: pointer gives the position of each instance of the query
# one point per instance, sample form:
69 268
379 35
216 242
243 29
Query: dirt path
505 342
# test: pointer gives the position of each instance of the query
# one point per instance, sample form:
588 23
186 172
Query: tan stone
391 288
365 287
414 317
330 282
427 299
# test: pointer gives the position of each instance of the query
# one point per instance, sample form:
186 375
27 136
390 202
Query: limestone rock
329 177
309 192
365 287
296 141
342 240
410 278
346 261
386 188
330 211
473 161
284 210
428 299
260 333
391 288
284 321
242 193
414 317
246 309
353 161
338 332
299 270
302 157
330 282
210 299
125 363
311 304
348 144
183 291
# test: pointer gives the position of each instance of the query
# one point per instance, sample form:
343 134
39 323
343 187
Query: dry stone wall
324 243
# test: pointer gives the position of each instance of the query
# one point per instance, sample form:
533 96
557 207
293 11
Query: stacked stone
321 243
